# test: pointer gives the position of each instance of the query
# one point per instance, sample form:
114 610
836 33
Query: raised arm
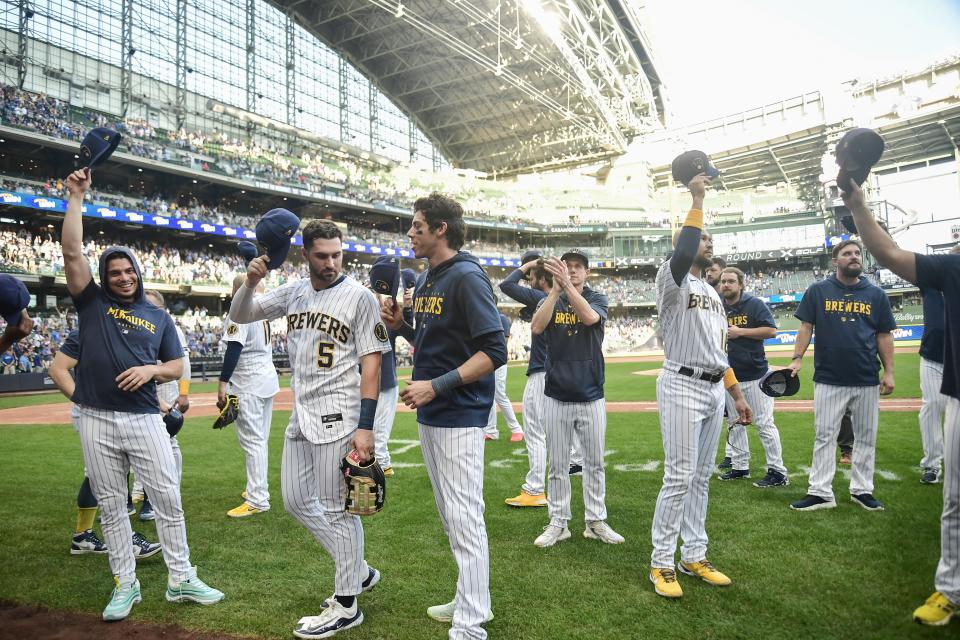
75 264
244 309
878 242
688 241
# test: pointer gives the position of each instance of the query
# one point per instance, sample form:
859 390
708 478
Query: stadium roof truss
504 86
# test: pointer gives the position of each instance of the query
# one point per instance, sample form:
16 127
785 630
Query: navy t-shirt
388 363
846 322
71 346
932 343
747 355
453 306
114 337
529 298
575 363
942 272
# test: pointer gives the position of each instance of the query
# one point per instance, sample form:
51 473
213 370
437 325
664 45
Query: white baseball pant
932 407
691 419
830 402
253 434
383 423
947 581
114 442
589 421
534 433
454 460
762 406
177 458
315 494
503 401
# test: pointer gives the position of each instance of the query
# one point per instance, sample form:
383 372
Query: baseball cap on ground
275 231
98 145
14 298
576 254
247 250
690 164
858 150
530 255
779 383
409 277
385 275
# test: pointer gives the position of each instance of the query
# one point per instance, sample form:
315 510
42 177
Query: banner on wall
906 332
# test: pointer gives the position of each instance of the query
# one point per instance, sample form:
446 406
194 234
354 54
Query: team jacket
574 363
530 299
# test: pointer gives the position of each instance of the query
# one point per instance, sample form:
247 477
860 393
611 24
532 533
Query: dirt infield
205 405
18 622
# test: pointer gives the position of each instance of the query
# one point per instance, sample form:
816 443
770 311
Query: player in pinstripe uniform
940 273
333 325
571 319
458 343
853 322
711 276
750 323
84 539
501 399
248 373
122 336
690 401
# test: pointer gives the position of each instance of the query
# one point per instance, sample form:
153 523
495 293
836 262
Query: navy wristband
368 411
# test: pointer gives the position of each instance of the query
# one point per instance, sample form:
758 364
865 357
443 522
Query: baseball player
690 401
173 394
711 276
501 399
333 325
458 343
14 299
122 336
853 322
249 374
751 323
571 320
84 539
940 273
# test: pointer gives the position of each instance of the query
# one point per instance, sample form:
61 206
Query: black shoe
576 469
867 501
727 463
930 476
146 511
373 577
735 474
812 503
772 479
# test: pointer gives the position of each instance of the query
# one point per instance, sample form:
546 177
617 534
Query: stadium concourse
551 123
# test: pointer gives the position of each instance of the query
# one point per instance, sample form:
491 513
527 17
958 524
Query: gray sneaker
143 548
930 476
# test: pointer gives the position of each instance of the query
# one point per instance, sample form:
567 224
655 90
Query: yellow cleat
387 472
244 511
527 500
706 572
243 494
665 583
936 611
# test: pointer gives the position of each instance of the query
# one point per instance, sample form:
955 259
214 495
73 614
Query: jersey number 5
325 354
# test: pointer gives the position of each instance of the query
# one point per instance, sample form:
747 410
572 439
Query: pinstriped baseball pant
114 442
315 493
932 408
383 424
534 432
589 421
691 419
253 434
454 460
948 570
502 400
738 446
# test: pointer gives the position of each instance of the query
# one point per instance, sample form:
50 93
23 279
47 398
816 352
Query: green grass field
844 573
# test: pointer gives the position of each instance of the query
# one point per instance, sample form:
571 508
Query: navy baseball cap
858 150
578 254
98 145
779 383
275 231
409 277
385 275
247 250
14 298
690 164
528 256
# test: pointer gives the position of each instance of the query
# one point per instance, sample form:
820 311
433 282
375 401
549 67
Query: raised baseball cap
409 278
275 232
385 275
97 146
690 164
779 383
577 254
14 298
530 255
858 150
247 250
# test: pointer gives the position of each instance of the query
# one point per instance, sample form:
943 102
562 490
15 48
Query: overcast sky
721 57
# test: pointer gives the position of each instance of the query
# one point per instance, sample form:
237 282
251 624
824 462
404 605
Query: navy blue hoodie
115 336
747 355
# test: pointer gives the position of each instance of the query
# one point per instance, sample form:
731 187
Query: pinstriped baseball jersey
327 333
170 391
693 322
254 373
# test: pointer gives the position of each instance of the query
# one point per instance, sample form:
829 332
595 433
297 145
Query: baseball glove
173 421
366 485
229 413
